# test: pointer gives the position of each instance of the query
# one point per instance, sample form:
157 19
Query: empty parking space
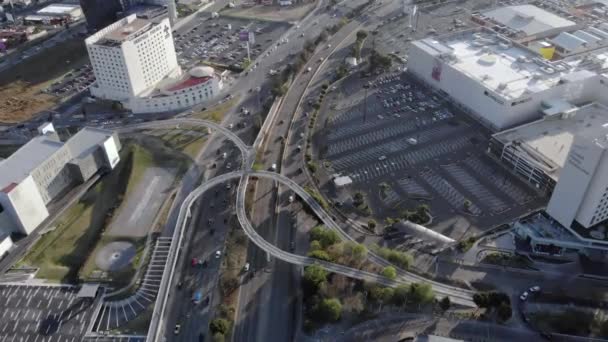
399 132
42 313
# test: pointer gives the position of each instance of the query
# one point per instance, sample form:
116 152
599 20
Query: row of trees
318 308
415 294
401 259
497 302
325 245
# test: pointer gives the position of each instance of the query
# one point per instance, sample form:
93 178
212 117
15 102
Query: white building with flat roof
130 57
500 82
45 168
565 154
135 63
525 22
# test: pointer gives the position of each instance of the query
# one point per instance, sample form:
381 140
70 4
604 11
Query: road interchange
457 295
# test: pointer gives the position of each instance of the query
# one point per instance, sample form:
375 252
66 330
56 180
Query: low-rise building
502 83
523 22
55 14
45 168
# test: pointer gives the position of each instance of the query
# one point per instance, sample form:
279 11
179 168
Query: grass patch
138 325
508 260
571 322
62 253
194 147
216 113
317 196
21 84
465 245
118 279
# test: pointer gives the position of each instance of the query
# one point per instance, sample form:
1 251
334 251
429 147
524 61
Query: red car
194 262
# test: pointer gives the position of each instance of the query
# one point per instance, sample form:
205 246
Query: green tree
219 325
358 198
421 293
504 312
314 277
481 300
326 237
321 255
361 34
390 272
359 252
445 303
315 245
371 224
400 295
328 310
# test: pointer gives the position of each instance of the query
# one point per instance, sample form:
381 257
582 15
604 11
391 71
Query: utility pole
366 87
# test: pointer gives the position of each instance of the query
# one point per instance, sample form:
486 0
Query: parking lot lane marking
16 325
14 336
36 338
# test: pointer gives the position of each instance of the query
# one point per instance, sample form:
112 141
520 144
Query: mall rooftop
550 138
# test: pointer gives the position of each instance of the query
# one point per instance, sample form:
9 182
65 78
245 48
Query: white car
246 268
218 254
534 289
524 296
273 167
177 329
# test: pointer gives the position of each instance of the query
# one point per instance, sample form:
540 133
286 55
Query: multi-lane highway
458 295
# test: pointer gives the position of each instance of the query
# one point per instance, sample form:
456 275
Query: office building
45 168
565 155
135 63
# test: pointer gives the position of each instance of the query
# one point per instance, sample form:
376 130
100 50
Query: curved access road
458 295
245 149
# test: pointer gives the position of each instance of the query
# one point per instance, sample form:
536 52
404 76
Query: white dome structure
201 71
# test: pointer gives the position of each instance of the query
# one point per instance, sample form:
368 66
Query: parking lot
399 133
72 83
217 40
41 313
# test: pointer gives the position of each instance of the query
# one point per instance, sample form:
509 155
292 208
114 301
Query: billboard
247 36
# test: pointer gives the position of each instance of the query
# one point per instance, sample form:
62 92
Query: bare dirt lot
272 13
21 85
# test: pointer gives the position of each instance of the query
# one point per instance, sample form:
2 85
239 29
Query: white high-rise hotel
135 63
131 56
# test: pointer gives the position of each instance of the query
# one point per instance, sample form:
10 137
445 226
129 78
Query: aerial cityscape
303 170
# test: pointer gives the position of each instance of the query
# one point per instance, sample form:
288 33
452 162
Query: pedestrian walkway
115 313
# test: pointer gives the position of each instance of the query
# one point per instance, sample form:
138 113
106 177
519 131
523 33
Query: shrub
390 272
328 310
219 325
321 255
